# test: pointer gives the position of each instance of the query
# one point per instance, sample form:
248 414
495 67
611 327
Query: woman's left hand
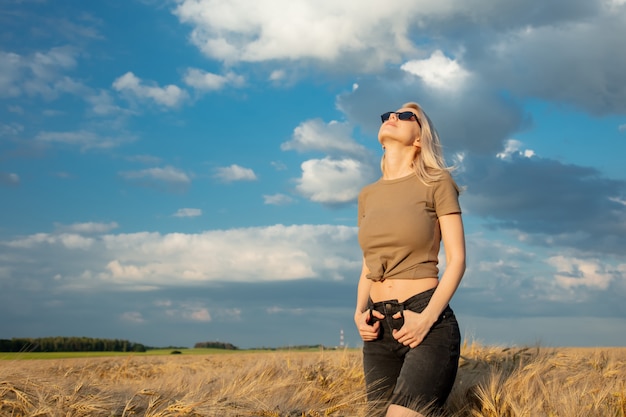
414 330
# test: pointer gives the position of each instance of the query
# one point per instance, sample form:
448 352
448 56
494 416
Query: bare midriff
400 289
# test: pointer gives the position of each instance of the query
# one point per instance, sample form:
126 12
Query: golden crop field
492 382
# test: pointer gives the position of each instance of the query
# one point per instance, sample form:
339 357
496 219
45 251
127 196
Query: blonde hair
429 165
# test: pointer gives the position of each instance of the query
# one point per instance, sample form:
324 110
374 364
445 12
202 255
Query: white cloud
188 212
65 240
512 147
277 199
144 261
439 71
87 228
83 139
574 272
103 104
235 173
168 96
39 73
333 138
167 174
207 81
277 75
333 181
241 30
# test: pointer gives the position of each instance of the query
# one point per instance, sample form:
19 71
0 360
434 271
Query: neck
397 164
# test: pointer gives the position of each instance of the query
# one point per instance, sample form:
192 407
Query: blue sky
181 171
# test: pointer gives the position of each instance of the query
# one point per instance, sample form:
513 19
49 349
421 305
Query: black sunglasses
402 115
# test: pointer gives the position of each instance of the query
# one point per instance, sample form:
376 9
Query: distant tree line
69 344
295 347
215 345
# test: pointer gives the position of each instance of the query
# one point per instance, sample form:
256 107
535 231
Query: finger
378 314
398 335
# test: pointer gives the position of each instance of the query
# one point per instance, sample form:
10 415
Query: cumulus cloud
253 32
515 280
333 181
188 212
332 138
168 96
277 199
346 167
235 173
513 148
149 261
38 74
438 71
103 104
575 272
87 227
207 81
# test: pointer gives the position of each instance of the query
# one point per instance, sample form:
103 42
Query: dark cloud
476 118
575 206
250 315
561 51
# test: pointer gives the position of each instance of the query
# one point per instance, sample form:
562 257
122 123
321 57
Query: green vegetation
215 345
85 347
69 344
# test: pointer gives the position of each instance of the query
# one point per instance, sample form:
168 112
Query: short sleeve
446 196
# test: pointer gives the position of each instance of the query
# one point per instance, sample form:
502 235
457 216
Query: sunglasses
403 115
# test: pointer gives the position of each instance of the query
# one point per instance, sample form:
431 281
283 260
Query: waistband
423 296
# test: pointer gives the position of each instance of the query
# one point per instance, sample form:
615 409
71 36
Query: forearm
454 243
363 291
448 285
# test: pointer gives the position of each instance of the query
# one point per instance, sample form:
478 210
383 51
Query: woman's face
400 126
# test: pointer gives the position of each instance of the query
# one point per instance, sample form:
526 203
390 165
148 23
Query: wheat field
492 382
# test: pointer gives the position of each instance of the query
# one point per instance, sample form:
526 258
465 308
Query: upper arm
453 237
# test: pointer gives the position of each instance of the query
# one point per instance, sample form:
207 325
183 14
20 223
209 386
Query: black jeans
417 378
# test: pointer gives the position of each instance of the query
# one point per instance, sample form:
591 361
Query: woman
411 336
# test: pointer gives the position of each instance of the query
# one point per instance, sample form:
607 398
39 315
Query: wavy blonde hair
429 164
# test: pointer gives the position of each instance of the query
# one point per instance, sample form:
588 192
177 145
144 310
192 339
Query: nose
394 116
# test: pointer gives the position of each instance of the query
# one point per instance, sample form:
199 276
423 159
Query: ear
417 143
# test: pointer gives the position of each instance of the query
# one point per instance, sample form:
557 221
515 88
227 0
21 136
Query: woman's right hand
368 331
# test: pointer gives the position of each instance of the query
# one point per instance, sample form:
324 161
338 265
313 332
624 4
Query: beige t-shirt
399 229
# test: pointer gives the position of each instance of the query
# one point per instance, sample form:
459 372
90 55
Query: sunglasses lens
385 116
406 115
